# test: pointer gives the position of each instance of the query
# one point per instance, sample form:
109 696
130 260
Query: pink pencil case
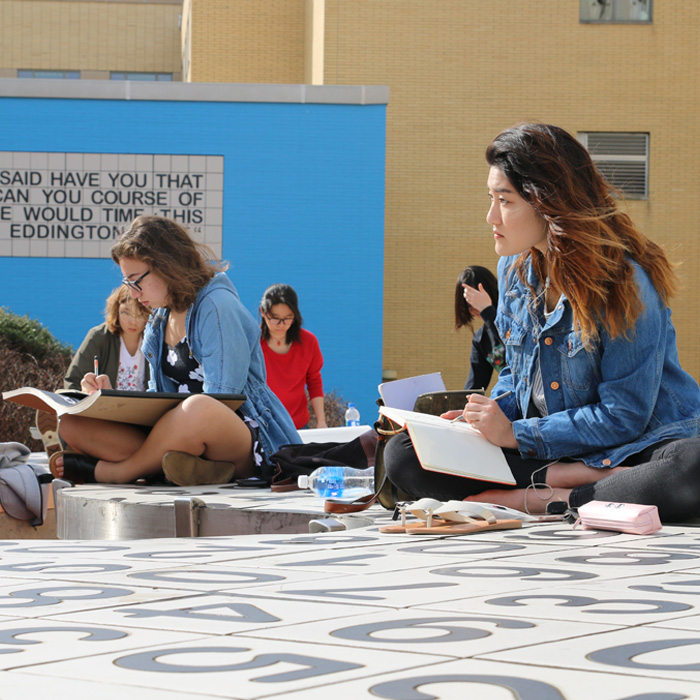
631 518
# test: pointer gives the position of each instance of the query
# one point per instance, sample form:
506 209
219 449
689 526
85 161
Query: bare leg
101 438
516 498
562 477
570 474
199 425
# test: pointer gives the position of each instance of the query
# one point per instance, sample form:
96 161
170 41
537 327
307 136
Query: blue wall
303 204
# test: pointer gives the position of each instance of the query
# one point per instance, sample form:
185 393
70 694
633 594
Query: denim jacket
603 404
225 339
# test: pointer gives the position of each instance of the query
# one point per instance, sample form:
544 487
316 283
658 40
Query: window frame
142 76
31 74
615 7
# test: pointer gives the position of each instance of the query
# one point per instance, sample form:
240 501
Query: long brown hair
170 252
117 297
589 240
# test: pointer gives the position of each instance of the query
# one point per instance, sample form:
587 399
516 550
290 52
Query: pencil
495 398
97 366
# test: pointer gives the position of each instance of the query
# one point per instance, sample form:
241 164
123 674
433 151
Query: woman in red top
292 356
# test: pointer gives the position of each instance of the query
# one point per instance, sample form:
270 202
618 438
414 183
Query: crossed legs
666 474
199 425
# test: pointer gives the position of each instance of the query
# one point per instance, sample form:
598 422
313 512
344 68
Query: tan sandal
424 509
465 518
184 469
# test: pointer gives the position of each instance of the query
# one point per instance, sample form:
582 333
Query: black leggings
666 475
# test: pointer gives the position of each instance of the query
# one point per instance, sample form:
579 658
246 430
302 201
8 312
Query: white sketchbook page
402 393
453 448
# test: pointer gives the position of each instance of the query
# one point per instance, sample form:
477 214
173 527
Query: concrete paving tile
242 667
474 548
611 604
391 589
38 599
681 584
565 534
691 623
374 560
211 577
216 614
485 680
642 651
667 538
454 634
62 548
23 685
595 562
63 569
27 643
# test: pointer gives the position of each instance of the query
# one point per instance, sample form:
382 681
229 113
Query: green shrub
29 356
28 336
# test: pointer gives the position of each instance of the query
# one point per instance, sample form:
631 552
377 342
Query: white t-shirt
132 369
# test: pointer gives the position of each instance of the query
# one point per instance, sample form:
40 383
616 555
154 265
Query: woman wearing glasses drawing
292 355
200 339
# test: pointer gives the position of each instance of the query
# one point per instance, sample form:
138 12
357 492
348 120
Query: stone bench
111 511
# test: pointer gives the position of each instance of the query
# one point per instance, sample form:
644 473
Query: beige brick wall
461 71
248 41
90 36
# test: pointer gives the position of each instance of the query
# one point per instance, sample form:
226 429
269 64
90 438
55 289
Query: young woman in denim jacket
595 405
200 339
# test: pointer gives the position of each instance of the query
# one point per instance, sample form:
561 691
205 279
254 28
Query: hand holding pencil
486 416
94 381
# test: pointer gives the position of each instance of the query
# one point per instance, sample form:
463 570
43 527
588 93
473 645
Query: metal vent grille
623 159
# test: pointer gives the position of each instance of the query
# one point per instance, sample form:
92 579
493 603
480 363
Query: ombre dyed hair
590 242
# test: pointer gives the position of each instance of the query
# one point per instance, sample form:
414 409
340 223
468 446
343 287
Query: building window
616 11
142 76
622 158
65 74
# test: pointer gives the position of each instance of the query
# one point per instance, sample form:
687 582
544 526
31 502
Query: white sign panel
75 205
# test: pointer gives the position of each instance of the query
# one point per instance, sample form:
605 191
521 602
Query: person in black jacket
476 296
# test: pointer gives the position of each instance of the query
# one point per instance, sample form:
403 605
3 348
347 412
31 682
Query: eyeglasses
134 284
280 321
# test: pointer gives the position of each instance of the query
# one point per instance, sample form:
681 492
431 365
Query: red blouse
289 374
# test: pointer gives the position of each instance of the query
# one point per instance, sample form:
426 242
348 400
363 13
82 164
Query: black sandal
80 469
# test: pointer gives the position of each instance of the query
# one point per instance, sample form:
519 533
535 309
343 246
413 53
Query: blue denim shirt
225 339
603 404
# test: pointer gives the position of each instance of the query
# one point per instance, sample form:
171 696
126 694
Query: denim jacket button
548 341
554 385
508 334
606 463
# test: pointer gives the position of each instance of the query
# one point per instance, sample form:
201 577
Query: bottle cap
351 405
303 481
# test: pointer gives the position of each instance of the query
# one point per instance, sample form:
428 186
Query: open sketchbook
452 448
137 407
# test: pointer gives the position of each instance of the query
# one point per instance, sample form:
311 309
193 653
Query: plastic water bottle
339 482
352 415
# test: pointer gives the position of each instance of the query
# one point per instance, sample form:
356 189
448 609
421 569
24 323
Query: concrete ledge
45 88
115 512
